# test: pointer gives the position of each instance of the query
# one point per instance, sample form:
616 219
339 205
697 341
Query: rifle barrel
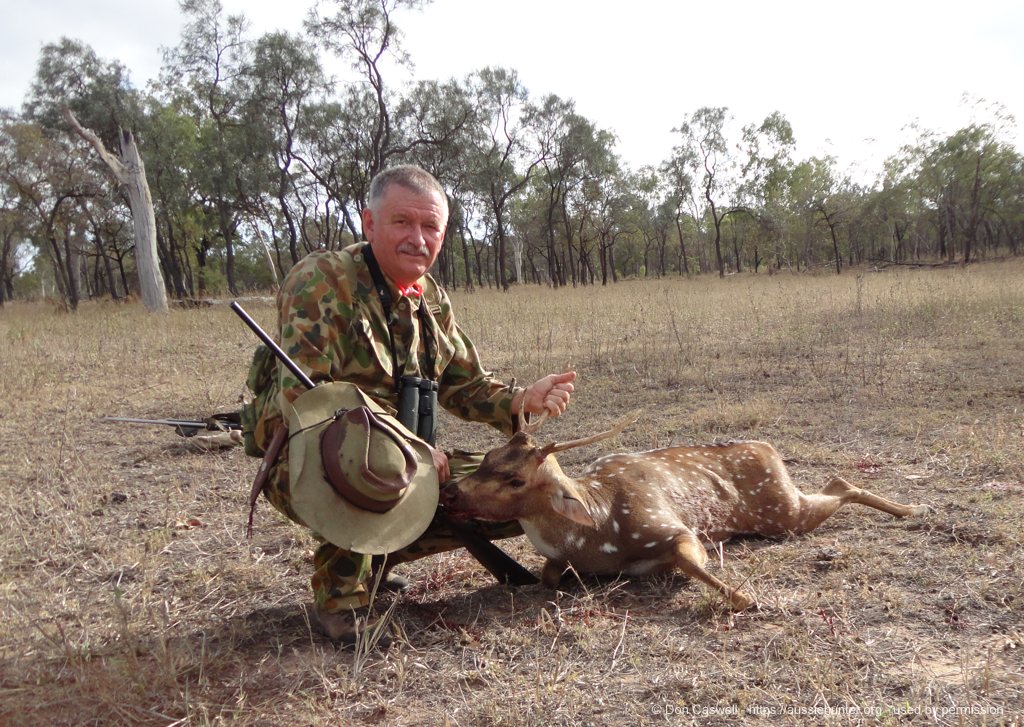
168 422
278 351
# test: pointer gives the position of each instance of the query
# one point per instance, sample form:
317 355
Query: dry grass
130 596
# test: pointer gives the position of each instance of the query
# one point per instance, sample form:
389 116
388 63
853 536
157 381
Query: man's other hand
550 393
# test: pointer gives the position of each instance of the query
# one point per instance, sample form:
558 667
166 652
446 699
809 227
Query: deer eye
516 483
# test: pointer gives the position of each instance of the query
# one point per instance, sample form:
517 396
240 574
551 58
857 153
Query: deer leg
551 574
815 509
690 559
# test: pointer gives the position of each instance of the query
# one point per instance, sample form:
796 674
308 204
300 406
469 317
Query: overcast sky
849 76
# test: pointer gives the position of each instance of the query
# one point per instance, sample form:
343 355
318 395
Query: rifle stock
498 563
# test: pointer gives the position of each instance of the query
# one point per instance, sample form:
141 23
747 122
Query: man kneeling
371 316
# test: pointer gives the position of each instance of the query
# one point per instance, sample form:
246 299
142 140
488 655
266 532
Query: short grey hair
411 177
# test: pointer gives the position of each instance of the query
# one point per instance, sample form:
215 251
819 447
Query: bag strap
426 331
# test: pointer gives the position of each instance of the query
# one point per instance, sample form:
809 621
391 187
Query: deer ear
566 503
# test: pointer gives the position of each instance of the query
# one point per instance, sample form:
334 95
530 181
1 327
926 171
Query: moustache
408 248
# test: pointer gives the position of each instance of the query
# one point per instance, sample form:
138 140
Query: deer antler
630 418
529 427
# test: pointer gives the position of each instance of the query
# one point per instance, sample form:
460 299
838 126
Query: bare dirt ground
129 594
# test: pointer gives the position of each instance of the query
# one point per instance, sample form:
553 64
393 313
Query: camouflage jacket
332 325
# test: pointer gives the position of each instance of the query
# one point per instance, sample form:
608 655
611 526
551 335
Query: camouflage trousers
341 577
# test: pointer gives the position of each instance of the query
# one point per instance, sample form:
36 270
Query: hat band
330 445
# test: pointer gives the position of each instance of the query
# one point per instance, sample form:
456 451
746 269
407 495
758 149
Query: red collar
415 290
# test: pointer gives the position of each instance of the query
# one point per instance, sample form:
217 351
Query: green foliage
244 133
70 74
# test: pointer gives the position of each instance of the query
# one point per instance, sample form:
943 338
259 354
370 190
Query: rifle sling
277 441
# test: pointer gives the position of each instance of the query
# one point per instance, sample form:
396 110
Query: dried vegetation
129 595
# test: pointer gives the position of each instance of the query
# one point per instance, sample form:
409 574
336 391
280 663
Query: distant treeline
249 148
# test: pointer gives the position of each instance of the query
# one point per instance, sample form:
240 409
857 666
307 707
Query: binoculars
417 406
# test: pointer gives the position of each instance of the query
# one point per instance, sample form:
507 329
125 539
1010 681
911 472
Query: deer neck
597 501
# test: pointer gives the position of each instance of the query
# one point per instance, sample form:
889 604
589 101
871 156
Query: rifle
497 562
186 428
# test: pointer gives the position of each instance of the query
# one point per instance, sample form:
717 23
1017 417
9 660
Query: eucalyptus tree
761 191
477 227
364 33
731 179
330 155
436 122
965 179
129 172
112 233
12 230
555 118
530 231
173 152
646 199
705 151
12 222
51 178
613 222
74 88
69 74
892 216
281 83
504 154
819 195
678 180
204 76
587 172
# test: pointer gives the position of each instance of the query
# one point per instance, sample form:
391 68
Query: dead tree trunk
131 172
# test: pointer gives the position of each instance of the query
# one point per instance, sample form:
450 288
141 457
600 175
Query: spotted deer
650 511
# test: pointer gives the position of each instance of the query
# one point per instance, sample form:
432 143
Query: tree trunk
130 171
682 246
267 256
466 264
74 264
736 248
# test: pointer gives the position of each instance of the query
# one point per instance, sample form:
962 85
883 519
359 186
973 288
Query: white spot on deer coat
609 548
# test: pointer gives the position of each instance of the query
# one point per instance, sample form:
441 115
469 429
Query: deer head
522 479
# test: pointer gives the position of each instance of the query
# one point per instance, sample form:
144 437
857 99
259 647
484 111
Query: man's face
406 232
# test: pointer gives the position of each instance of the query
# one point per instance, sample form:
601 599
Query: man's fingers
441 465
556 401
551 393
566 377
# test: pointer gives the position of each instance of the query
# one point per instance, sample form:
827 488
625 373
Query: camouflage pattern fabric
332 325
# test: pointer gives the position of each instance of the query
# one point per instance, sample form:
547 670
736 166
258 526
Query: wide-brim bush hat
357 476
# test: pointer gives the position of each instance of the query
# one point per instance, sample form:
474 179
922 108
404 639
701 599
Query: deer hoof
551 575
740 601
